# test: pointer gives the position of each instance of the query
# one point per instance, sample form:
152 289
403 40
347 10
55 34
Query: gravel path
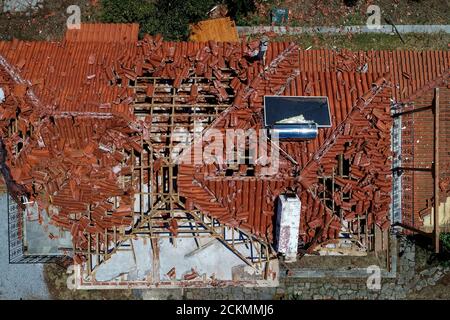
17 281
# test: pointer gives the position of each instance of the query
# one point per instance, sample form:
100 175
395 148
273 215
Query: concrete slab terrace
136 265
17 281
41 237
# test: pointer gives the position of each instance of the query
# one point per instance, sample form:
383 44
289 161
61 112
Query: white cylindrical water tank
288 226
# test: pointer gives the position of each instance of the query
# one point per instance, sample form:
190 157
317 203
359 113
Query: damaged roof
70 108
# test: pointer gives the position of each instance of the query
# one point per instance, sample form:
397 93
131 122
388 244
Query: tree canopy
171 18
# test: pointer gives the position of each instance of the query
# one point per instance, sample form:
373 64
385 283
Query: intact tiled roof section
92 32
410 69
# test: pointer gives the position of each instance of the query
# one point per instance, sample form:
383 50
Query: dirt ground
441 291
335 12
424 260
48 23
56 279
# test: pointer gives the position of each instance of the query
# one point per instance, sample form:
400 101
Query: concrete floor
17 281
41 237
208 262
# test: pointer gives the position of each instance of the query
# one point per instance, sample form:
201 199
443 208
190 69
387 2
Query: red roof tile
91 32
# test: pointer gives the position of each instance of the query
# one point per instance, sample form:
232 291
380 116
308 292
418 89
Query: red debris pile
165 59
363 139
248 203
241 202
71 163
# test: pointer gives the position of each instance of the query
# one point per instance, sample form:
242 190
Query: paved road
17 281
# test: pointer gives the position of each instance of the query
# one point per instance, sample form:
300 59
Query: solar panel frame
329 122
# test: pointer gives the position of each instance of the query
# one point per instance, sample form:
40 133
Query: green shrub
171 18
242 11
126 11
445 254
445 238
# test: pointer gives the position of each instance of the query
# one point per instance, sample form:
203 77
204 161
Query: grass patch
336 13
367 41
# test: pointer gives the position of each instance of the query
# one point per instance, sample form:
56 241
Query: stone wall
408 280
